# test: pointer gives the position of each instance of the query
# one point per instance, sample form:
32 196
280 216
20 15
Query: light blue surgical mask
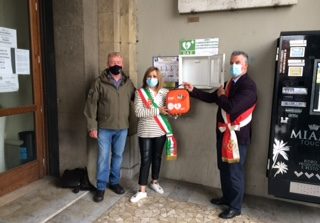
152 82
235 70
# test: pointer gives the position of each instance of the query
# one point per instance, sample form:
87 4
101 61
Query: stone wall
85 32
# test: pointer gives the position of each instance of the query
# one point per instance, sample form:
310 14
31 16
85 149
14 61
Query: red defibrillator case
178 102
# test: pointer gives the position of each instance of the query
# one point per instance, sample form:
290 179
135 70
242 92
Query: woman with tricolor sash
154 130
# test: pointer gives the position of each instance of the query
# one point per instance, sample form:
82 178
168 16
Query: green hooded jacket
106 106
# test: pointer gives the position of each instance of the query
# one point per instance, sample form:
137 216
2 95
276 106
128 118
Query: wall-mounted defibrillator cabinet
202 71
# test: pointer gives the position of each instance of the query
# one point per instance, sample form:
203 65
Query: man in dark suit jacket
237 97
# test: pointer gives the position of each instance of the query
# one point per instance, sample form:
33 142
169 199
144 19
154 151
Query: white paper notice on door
5 61
8 37
22 61
9 83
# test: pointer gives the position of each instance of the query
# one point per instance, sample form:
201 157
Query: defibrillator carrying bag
178 102
76 179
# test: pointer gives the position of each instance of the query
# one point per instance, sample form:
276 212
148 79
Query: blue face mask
235 70
152 82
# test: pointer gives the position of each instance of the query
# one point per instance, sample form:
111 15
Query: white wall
160 27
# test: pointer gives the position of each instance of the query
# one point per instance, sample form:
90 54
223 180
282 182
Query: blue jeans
113 141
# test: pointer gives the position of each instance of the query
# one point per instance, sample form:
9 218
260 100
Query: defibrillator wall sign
199 47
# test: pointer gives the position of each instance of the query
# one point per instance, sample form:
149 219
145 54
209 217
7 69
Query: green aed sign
208 46
187 47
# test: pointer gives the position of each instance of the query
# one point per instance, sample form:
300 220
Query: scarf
230 147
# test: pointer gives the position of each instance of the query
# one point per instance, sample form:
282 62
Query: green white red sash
230 147
162 121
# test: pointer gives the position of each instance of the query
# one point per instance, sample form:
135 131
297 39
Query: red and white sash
230 147
162 121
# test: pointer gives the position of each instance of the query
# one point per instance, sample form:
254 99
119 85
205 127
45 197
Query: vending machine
293 167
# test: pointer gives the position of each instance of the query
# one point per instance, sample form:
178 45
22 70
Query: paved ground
42 201
157 208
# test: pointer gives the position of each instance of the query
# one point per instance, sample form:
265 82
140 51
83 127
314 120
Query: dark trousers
232 177
151 153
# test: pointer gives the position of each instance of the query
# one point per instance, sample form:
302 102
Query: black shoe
99 195
117 188
218 201
229 213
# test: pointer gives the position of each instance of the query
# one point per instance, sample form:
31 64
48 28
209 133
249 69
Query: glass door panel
17 141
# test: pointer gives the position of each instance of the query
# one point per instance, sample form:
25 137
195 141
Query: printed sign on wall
168 66
199 47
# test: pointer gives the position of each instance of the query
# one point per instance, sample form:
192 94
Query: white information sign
296 63
199 47
9 83
5 61
301 104
13 61
294 90
296 42
168 66
297 51
22 61
8 37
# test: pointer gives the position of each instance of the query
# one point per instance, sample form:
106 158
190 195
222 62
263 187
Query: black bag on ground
77 179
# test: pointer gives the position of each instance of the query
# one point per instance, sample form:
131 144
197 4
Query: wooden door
22 134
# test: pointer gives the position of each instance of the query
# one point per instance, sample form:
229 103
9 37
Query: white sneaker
138 196
157 188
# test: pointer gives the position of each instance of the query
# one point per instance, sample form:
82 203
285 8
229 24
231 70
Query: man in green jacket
107 113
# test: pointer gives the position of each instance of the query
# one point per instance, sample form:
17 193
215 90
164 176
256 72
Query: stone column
117 32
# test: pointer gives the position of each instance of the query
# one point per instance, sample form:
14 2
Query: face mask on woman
235 70
152 82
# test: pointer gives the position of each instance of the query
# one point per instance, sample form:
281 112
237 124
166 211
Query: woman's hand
163 110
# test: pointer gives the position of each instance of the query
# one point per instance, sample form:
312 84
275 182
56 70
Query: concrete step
37 202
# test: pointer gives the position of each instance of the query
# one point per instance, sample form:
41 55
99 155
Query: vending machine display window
315 94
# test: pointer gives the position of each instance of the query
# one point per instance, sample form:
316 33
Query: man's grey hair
238 53
114 54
